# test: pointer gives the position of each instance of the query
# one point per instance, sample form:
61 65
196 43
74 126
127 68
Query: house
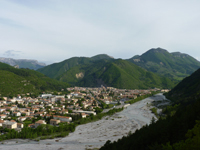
20 125
2 109
6 112
17 114
3 116
31 125
9 124
86 112
22 118
39 113
26 113
64 112
39 122
1 122
63 118
54 122
83 115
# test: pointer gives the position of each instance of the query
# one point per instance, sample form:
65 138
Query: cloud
57 30
12 53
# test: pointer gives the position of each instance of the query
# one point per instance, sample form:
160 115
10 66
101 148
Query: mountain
116 73
173 65
56 69
178 130
23 63
188 89
21 81
101 56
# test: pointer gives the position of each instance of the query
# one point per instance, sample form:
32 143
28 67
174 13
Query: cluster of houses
83 101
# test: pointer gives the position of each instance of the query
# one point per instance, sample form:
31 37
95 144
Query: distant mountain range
23 63
104 70
154 68
154 65
21 81
173 65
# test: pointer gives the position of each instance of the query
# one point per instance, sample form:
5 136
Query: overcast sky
54 30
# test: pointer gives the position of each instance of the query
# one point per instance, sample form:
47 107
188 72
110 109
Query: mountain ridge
23 63
174 65
117 73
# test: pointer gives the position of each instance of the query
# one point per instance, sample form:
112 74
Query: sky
54 30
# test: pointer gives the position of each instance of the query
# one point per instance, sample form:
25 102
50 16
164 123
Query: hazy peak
101 56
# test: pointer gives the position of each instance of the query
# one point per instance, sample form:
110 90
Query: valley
76 103
95 134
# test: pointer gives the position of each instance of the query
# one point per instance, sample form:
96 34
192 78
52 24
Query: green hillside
21 81
57 69
177 129
188 89
173 65
116 73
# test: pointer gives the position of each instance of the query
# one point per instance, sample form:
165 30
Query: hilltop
104 70
173 65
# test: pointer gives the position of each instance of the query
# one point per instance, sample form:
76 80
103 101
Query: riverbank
94 134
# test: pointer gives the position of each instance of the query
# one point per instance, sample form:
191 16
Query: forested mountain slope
178 130
116 73
21 81
173 65
57 69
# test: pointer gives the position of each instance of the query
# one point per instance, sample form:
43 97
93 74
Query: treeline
98 116
41 132
104 105
139 98
170 133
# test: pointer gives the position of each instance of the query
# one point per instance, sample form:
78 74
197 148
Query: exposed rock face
136 60
79 75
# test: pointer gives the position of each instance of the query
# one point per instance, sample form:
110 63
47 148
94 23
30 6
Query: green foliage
173 65
57 69
154 136
191 142
21 81
116 73
188 89
154 110
139 98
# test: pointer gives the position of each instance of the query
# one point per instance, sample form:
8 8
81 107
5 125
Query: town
81 102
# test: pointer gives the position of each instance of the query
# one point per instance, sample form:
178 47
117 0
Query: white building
39 122
9 124
63 118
